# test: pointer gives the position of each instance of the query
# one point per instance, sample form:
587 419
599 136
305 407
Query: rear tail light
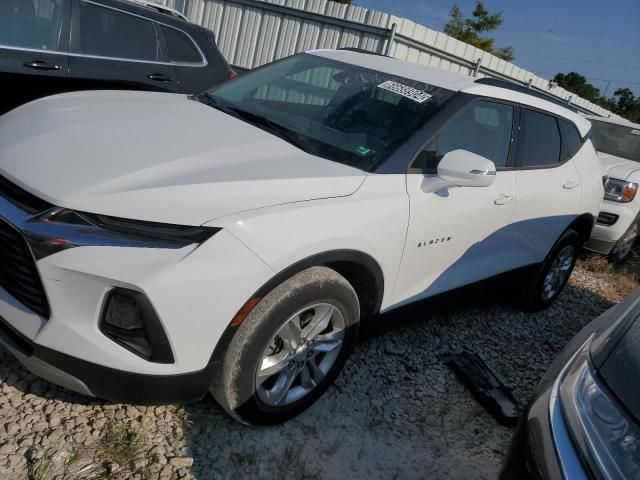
233 74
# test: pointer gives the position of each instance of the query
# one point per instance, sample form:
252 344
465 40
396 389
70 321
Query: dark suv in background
54 46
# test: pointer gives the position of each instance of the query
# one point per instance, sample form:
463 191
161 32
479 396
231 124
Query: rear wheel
289 349
554 273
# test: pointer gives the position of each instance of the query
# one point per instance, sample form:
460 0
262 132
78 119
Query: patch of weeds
121 443
113 456
294 466
620 280
42 468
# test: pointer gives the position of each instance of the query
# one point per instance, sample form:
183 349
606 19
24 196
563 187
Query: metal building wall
251 33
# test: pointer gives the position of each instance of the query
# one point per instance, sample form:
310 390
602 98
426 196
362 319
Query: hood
158 157
618 167
616 353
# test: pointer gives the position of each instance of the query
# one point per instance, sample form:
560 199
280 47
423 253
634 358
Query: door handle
503 199
159 77
569 184
41 65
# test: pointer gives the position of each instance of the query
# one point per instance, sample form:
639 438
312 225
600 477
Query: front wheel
289 349
553 275
623 249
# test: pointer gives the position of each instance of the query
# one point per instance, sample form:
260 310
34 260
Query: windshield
617 140
331 109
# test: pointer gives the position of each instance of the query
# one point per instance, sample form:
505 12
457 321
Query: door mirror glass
466 169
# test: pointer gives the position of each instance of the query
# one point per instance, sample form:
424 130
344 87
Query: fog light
129 319
123 312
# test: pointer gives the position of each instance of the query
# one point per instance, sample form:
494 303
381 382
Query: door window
483 128
181 48
33 24
571 137
539 140
109 33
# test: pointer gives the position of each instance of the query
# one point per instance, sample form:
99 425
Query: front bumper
605 238
96 380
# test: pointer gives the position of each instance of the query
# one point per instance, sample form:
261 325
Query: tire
545 286
622 253
318 305
623 249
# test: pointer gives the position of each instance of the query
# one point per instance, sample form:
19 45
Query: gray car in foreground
584 422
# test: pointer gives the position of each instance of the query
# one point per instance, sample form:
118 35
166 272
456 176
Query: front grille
21 198
18 272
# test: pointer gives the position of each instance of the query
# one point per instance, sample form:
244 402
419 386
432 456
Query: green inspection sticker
362 150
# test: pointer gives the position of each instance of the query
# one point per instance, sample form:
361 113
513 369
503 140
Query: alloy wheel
558 272
300 354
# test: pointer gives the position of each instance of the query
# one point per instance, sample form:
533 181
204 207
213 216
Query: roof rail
159 7
497 82
360 50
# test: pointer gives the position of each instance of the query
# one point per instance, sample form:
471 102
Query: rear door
192 69
549 186
113 48
33 49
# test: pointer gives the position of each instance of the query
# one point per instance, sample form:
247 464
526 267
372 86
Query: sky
598 39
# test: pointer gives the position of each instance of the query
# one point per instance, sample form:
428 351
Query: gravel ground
396 412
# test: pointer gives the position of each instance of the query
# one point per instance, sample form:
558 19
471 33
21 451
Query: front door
33 49
457 235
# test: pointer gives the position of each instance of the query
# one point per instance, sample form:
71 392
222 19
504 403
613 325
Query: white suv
156 246
618 224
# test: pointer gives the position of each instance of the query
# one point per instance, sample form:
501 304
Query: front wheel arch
360 269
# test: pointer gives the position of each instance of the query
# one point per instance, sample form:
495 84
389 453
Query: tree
576 83
468 30
623 102
626 104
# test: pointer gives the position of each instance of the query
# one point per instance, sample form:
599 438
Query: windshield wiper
259 121
264 123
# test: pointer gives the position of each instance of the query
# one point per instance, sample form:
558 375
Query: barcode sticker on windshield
406 91
635 132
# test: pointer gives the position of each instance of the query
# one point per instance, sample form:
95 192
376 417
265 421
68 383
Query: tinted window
30 23
331 109
618 140
181 48
483 128
571 137
109 33
539 140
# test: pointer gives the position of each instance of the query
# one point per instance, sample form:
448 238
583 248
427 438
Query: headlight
620 190
608 439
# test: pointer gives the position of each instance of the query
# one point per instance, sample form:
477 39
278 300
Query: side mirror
466 169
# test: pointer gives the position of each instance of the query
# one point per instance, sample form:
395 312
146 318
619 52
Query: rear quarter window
571 137
181 48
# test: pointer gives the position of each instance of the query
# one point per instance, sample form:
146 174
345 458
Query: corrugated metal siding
251 33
